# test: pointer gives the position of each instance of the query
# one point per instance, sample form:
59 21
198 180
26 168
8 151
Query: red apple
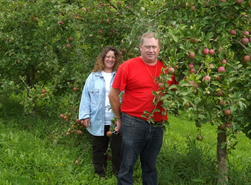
193 8
246 58
227 112
245 40
211 52
187 105
206 78
170 70
194 84
67 45
75 89
191 55
246 33
233 32
217 78
61 116
205 51
195 40
70 39
79 132
60 22
239 1
221 102
221 69
43 91
191 65
224 61
199 137
109 133
192 70
100 31
219 93
229 125
161 85
222 127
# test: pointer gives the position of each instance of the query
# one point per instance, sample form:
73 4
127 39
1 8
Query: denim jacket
92 104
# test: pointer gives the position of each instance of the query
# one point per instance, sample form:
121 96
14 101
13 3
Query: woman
96 113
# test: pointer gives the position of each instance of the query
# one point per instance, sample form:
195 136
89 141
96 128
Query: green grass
36 150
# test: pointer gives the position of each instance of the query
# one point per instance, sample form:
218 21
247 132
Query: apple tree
208 45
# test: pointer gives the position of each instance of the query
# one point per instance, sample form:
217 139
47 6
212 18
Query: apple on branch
233 32
245 40
170 70
221 69
205 51
191 55
246 58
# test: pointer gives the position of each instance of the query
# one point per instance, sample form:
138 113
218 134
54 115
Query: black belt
157 123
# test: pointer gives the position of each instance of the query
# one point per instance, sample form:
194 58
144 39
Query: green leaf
197 180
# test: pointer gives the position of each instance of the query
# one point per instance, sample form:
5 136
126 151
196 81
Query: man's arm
115 105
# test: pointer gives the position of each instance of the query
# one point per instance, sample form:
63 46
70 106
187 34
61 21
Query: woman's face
109 61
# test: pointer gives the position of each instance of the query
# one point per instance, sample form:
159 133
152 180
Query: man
136 77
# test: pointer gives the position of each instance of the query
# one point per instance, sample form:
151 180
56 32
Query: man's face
150 50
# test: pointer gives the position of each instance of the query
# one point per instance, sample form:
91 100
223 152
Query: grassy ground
34 150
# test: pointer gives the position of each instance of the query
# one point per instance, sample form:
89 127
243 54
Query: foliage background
48 48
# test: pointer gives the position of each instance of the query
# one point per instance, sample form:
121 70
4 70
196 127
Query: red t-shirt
135 78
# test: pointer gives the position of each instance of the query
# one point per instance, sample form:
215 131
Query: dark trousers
100 146
139 139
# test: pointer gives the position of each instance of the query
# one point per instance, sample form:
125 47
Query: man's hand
118 125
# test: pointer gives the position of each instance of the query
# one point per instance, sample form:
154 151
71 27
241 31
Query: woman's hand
86 122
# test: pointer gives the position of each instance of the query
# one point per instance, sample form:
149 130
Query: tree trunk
222 158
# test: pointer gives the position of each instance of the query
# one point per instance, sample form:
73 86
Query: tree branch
240 44
112 5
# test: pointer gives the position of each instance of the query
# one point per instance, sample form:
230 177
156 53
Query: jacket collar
99 73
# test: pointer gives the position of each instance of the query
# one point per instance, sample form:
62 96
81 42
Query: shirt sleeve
120 79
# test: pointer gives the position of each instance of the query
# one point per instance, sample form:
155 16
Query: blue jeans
139 138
